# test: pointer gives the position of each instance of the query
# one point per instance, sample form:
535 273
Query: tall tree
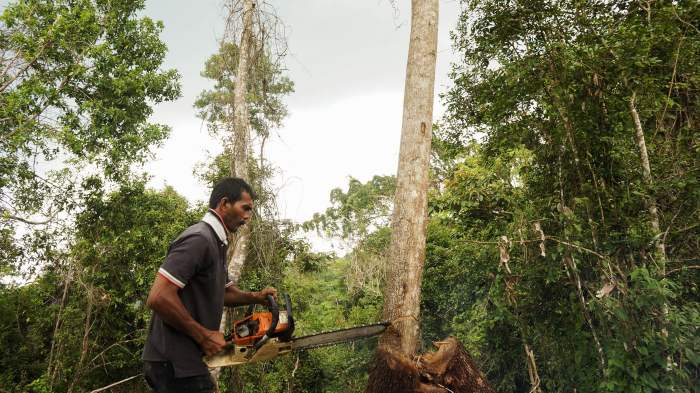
246 102
256 29
77 81
241 133
409 218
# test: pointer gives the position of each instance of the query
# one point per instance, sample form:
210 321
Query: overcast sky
347 59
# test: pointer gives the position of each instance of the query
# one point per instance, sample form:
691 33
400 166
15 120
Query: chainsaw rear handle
275 310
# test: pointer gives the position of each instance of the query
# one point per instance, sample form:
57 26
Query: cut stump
449 369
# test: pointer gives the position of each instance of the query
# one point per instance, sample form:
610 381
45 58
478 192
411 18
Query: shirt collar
214 221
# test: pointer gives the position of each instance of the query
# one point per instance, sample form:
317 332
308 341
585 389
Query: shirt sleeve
185 258
228 279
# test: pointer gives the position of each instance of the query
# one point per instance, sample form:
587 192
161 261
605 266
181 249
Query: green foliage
578 278
357 212
121 239
267 86
77 83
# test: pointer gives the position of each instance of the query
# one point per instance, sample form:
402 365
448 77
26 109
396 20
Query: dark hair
231 188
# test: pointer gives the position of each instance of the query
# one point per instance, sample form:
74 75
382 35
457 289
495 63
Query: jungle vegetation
564 202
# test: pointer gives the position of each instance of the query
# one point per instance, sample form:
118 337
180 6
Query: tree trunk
646 175
532 369
239 158
86 338
653 212
409 219
241 134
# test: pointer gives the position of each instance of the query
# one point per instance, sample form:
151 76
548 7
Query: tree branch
115 384
26 221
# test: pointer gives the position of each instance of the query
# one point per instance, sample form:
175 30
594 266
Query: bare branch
13 217
682 268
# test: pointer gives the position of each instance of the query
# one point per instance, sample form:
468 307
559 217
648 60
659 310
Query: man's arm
165 302
235 297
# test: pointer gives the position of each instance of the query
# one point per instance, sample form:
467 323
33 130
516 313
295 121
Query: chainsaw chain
340 339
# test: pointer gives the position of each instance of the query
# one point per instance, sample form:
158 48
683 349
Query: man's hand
212 342
262 295
235 297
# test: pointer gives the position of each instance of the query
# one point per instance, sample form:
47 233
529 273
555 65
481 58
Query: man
190 291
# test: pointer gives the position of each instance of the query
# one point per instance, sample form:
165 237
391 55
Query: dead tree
241 134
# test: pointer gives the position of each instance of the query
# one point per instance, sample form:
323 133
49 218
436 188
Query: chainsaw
268 334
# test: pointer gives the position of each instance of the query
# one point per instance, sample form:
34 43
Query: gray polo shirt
196 263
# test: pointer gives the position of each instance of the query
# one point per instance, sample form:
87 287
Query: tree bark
646 175
239 158
241 135
409 219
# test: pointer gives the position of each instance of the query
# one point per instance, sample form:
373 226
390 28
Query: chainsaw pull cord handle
275 310
249 311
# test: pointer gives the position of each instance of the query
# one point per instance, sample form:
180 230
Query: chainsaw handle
275 310
251 307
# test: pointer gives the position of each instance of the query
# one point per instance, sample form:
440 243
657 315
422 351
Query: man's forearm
235 297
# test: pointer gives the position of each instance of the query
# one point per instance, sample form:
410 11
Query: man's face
236 214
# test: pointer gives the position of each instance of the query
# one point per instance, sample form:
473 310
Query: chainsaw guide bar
325 339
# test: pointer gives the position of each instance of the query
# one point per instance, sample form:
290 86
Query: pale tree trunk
238 251
532 369
241 135
646 175
653 212
409 219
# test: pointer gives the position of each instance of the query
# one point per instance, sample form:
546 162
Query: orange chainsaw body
252 328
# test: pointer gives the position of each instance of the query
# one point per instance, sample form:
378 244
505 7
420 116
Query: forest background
563 234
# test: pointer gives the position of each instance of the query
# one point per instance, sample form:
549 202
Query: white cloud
347 59
321 148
